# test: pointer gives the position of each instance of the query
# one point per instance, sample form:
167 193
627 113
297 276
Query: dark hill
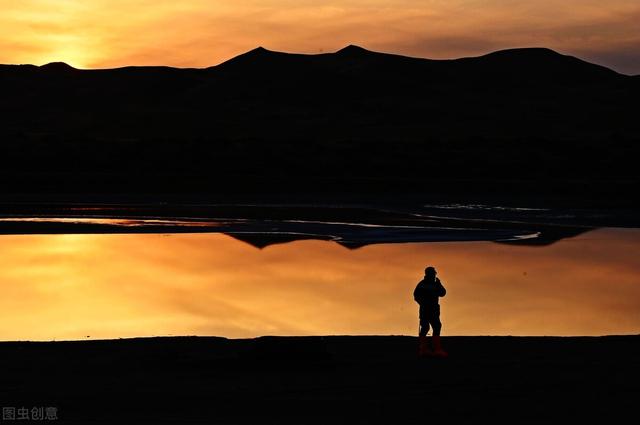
57 66
543 64
517 121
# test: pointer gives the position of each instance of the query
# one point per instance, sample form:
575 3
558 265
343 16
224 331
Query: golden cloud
198 33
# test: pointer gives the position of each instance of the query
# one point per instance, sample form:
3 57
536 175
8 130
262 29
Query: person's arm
417 294
441 291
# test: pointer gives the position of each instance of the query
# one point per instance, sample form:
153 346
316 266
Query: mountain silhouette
520 120
533 64
58 66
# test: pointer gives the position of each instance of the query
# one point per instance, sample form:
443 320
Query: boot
423 347
437 347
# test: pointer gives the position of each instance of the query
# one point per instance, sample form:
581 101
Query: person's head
430 272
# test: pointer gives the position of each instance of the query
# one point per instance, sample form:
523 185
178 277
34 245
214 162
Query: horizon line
353 46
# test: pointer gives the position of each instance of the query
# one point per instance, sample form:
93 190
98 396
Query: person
426 294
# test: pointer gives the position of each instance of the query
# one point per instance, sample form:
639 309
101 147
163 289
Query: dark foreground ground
324 380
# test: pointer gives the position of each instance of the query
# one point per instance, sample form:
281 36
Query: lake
79 286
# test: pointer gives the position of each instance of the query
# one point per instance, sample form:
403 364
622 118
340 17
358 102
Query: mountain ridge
349 51
349 120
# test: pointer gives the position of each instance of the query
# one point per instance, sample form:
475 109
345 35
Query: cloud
197 33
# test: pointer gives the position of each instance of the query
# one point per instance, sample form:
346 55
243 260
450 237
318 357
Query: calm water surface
109 286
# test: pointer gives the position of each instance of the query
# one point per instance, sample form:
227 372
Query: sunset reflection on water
110 286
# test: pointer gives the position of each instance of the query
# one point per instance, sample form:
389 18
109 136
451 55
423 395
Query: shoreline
142 339
352 225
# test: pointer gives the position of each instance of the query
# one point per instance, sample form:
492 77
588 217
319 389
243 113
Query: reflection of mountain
519 123
263 240
352 227
547 236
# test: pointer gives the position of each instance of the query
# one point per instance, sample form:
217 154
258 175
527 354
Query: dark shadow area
320 380
522 125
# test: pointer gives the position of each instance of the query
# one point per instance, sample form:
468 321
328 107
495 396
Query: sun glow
199 33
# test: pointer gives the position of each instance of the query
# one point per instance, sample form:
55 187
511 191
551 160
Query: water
125 285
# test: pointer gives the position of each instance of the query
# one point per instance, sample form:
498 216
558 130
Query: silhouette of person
426 294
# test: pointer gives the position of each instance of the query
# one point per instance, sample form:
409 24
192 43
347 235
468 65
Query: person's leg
424 327
437 325
437 345
423 345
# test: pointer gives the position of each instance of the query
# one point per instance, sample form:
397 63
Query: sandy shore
323 380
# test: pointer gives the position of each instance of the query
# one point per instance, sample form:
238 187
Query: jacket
427 293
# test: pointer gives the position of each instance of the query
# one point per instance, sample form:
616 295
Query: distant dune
528 123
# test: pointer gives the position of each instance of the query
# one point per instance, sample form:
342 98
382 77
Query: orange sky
109 286
197 33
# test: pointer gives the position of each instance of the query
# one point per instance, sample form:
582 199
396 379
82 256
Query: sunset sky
198 33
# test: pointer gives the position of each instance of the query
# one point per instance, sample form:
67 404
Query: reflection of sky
107 286
107 33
